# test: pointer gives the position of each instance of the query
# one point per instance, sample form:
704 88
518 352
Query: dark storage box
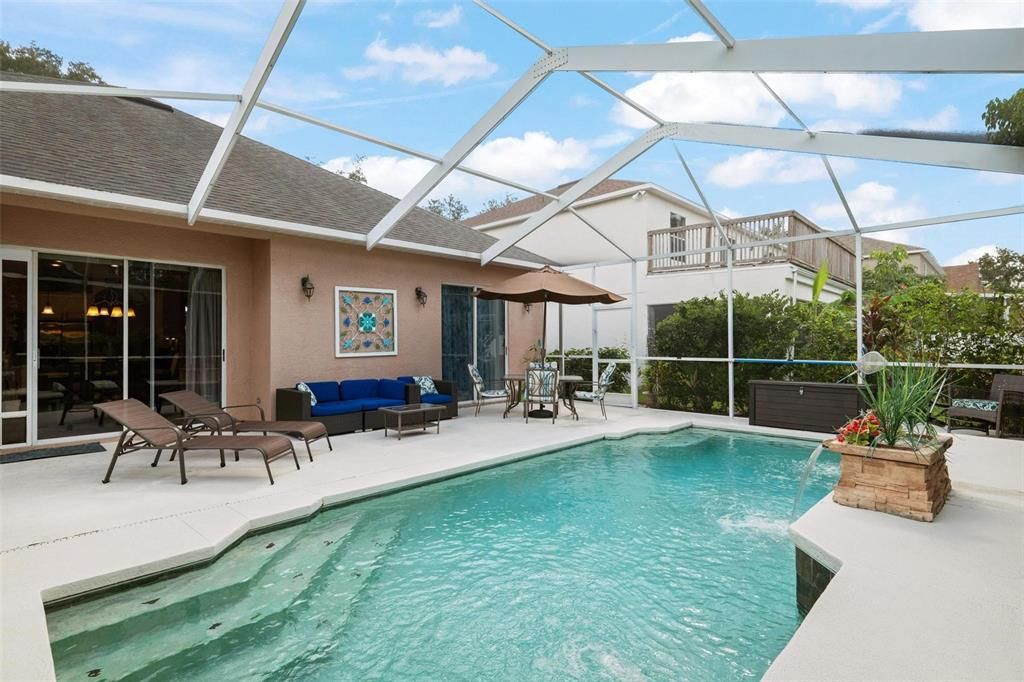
808 406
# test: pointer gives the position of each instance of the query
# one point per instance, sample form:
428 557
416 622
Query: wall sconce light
421 296
307 287
527 307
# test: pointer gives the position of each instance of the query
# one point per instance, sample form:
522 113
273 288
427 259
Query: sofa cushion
392 388
336 407
426 385
305 389
435 399
325 391
407 380
357 389
370 404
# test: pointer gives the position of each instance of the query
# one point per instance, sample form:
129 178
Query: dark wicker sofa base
294 405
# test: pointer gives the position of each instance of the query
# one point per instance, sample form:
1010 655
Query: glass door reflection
14 353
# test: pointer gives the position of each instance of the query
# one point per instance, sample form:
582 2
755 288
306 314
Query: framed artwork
365 322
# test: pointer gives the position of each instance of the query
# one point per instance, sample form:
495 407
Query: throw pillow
306 389
426 385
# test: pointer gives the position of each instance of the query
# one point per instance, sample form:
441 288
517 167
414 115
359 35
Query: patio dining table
515 383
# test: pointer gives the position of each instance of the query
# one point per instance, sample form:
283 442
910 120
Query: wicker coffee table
429 415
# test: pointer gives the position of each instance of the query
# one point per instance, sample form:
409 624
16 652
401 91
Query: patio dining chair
541 389
597 390
207 415
990 408
480 393
144 429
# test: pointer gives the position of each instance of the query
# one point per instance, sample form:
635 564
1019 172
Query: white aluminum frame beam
113 91
713 23
283 25
299 116
722 236
648 139
998 50
601 234
519 91
967 155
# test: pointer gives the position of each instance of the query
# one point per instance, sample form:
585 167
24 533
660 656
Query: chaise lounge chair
965 404
147 430
217 419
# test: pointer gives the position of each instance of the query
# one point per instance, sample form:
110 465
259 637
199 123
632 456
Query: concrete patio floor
62 533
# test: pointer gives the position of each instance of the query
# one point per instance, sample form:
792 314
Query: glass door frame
473 353
28 257
32 254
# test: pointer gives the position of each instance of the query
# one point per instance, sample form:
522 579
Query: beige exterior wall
275 337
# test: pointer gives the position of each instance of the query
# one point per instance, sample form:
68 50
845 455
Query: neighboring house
960 277
108 292
922 259
645 219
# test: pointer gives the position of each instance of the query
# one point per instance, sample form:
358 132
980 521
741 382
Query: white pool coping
62 533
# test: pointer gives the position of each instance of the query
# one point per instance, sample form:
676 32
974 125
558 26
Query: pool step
120 649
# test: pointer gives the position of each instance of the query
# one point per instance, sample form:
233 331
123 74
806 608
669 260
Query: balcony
662 244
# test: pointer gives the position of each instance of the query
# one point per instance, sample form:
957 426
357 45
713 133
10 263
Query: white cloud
582 101
536 158
949 15
435 19
944 119
420 63
776 168
740 98
879 24
859 5
729 213
614 139
873 203
971 255
301 88
991 178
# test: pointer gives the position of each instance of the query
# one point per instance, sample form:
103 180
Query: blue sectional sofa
345 406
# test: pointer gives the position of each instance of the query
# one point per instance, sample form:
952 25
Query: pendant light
116 311
92 311
131 312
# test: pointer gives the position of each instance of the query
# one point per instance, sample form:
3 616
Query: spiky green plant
902 397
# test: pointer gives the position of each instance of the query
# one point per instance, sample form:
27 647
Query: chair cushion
976 404
370 404
435 399
497 393
306 389
392 388
474 374
356 389
426 385
586 395
325 391
323 409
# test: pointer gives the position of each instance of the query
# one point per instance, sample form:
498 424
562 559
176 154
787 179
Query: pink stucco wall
276 337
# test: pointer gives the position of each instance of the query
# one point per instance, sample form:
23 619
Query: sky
421 74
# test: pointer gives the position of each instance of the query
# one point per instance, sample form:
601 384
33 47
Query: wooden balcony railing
809 253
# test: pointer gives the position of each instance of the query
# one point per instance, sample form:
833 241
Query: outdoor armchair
541 389
208 415
481 393
144 429
599 389
990 409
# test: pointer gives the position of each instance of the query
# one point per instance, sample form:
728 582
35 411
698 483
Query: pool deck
62 533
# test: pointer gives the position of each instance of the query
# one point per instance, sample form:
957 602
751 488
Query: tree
1004 119
356 173
38 61
891 272
493 204
450 207
1003 273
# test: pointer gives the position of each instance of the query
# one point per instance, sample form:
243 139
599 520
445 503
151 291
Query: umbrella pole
543 412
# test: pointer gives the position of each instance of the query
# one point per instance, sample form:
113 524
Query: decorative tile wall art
365 322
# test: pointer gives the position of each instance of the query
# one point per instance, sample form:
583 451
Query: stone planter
896 481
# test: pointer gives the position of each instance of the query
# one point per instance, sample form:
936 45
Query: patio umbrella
548 284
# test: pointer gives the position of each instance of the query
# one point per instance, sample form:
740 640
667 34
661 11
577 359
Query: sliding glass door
82 330
472 331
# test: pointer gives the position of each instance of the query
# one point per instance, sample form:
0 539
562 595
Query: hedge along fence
582 365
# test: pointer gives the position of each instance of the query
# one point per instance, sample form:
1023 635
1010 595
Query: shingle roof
146 149
964 277
534 203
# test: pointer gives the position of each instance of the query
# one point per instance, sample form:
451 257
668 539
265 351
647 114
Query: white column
634 313
858 241
729 330
593 332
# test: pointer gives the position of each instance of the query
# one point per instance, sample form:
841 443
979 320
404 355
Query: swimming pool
654 557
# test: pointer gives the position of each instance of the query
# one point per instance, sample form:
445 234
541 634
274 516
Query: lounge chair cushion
324 391
976 404
336 407
357 389
392 388
435 399
369 404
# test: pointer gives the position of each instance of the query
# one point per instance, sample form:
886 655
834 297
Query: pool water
651 558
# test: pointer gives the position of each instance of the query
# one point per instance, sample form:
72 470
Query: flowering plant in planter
863 430
901 401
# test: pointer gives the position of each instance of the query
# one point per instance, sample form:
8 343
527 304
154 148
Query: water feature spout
811 461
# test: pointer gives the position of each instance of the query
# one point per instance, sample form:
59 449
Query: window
676 220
